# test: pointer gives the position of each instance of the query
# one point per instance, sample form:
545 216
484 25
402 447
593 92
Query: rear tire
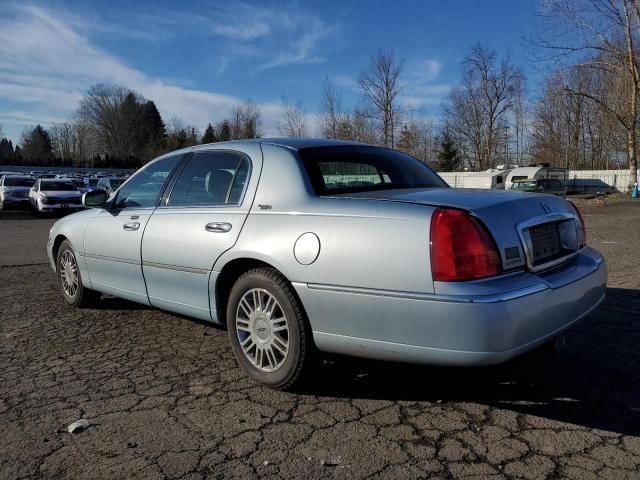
269 333
70 279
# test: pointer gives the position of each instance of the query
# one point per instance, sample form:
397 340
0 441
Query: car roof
291 143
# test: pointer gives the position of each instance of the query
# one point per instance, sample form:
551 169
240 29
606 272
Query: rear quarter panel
363 243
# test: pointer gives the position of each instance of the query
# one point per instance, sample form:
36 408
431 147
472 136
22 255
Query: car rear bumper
456 329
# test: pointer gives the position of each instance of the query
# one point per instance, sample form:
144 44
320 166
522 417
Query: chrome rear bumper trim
430 297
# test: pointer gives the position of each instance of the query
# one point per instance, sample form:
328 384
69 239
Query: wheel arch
230 273
56 244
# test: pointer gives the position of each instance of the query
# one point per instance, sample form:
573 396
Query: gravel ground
165 398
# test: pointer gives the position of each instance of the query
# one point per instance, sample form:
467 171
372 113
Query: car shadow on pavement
594 381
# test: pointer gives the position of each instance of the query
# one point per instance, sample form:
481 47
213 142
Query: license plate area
545 242
549 240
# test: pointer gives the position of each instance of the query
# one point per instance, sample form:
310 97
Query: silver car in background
297 245
54 194
14 190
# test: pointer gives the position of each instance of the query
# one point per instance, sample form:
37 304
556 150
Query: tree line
584 116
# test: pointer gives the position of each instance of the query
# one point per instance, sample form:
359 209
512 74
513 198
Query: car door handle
218 227
131 226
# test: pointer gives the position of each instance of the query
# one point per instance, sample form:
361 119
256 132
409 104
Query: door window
211 178
144 188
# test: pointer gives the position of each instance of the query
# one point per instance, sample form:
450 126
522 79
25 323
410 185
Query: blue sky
196 59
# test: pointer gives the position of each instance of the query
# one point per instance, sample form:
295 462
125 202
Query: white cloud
421 88
47 63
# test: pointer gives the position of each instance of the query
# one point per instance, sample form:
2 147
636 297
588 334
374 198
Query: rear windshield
18 182
58 186
338 170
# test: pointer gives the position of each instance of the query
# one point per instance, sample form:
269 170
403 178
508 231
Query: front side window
144 188
211 178
338 170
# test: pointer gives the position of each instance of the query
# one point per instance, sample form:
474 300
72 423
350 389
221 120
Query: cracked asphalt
165 397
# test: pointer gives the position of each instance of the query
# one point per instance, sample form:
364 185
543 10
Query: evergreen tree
18 158
225 131
6 152
36 147
448 156
154 127
209 135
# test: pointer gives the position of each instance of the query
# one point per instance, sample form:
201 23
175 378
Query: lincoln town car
298 246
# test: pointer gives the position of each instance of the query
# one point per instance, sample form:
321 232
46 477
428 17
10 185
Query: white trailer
491 178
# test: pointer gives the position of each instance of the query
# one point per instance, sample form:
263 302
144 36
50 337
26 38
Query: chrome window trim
525 239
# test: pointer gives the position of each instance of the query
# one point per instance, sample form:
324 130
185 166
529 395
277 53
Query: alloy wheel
69 273
262 329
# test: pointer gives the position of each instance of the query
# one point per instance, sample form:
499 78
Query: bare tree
293 119
113 113
479 110
331 119
601 35
380 85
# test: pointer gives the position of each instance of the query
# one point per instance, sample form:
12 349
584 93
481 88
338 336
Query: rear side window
211 178
338 170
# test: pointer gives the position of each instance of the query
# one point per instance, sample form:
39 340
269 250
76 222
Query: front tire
70 280
269 332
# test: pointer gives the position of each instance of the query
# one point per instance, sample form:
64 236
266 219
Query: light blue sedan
303 244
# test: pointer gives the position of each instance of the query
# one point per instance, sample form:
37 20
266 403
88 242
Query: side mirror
94 199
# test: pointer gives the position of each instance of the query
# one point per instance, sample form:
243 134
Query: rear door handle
218 227
131 226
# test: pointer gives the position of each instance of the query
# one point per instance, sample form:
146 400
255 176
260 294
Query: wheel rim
262 329
69 273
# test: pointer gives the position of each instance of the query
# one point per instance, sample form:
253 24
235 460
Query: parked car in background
540 185
303 244
538 172
90 183
110 184
48 195
14 190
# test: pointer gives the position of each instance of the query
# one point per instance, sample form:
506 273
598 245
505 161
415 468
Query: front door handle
131 226
218 227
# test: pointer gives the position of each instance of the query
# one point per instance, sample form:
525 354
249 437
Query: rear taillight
461 247
583 230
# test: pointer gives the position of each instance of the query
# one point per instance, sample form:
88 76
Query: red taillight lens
583 240
461 248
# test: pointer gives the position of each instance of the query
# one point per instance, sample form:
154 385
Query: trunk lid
499 210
